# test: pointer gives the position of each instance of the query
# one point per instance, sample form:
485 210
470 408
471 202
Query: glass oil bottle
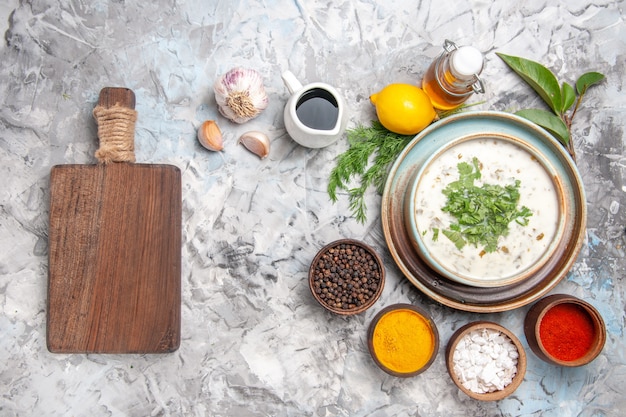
454 76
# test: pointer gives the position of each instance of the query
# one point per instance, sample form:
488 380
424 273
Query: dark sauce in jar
318 109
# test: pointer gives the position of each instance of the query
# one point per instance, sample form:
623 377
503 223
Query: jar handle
291 82
449 46
478 86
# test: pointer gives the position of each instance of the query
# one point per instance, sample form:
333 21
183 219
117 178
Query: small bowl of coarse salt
485 360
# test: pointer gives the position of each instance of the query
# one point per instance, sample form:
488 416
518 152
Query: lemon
403 108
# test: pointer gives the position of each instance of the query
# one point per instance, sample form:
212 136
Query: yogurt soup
525 247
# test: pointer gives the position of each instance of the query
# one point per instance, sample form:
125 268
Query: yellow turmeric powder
403 341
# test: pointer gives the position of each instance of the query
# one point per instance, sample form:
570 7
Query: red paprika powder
567 331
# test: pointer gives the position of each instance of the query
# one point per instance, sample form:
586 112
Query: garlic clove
240 94
210 136
256 142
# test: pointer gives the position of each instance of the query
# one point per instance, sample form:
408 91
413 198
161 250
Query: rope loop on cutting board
116 131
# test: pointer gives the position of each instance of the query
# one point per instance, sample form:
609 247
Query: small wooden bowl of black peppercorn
346 277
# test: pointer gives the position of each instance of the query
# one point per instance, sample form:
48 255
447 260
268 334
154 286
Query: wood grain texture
110 96
114 247
114 258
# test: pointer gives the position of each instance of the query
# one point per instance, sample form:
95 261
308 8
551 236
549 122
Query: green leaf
548 121
587 80
568 96
455 237
540 78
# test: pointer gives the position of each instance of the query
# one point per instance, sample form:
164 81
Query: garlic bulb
256 142
240 94
210 136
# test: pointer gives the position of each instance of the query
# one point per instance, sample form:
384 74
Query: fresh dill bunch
371 151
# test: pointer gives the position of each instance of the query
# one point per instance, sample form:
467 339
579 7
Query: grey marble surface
254 342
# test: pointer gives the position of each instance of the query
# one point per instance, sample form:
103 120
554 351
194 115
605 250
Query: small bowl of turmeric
403 340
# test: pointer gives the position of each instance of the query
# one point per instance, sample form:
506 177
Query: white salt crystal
485 361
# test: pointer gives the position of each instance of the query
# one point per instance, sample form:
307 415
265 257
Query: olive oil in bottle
454 76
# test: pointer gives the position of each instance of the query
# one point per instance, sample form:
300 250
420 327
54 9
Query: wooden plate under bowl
462 296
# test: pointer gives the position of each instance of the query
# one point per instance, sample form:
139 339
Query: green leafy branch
562 99
375 144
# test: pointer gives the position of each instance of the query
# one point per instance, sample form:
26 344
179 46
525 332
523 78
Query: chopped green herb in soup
487 209
482 213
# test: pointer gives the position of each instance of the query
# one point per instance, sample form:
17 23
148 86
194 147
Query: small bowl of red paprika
564 330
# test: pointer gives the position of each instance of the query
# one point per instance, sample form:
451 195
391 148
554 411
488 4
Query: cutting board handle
116 116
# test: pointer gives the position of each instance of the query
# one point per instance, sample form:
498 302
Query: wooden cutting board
114 283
